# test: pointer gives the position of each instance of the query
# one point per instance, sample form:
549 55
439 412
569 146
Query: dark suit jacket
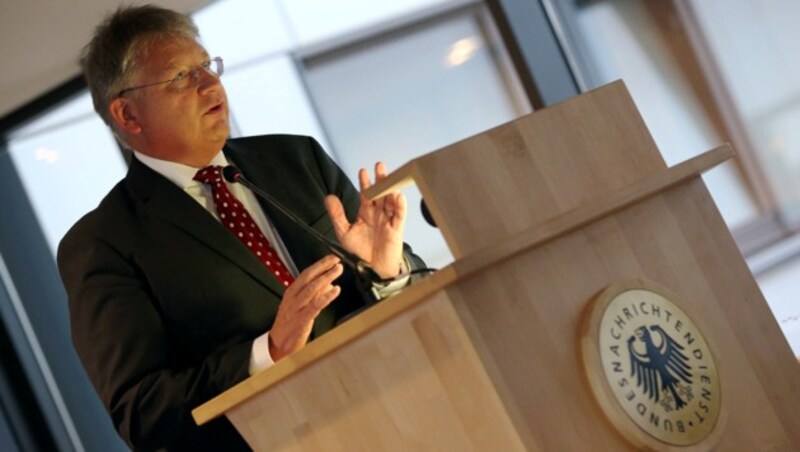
165 302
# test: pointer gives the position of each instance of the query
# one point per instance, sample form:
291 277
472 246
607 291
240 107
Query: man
170 302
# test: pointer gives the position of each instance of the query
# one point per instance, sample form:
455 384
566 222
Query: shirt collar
180 174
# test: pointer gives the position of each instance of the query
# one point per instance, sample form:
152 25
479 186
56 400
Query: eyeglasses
187 78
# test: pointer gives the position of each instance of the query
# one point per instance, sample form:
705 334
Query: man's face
187 125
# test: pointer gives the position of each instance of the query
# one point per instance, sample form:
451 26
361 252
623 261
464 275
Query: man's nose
205 79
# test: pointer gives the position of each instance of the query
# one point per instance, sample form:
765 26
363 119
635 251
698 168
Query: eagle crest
662 367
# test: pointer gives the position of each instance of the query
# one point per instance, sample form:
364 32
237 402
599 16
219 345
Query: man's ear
123 113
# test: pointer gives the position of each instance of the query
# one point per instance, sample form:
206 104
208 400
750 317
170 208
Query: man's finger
317 268
336 213
363 179
380 170
324 299
400 208
394 205
321 282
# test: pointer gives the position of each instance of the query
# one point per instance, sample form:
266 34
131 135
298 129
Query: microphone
361 267
426 214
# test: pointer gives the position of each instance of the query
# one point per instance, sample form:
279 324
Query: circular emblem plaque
643 354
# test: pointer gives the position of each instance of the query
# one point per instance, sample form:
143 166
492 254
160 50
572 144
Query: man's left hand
377 233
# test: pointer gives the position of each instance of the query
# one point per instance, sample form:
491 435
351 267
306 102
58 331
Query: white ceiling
40 41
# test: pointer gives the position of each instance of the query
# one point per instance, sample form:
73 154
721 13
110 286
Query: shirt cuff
260 358
383 290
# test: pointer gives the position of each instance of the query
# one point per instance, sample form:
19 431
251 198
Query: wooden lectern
542 215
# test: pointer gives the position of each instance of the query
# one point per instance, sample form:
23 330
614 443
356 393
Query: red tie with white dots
234 216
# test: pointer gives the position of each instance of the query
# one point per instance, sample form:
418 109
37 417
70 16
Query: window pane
66 169
77 107
315 20
623 43
755 44
268 97
398 98
241 30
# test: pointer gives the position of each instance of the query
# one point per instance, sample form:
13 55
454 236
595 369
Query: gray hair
119 42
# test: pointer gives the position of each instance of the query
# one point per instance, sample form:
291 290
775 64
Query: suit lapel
161 200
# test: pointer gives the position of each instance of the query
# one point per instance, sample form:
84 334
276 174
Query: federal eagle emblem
661 368
658 367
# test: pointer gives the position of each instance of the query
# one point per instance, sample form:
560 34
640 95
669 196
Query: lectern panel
525 316
414 384
537 167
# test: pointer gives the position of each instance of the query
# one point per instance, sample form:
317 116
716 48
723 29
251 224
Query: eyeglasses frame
193 73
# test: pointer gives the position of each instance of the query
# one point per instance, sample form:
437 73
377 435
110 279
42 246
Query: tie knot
209 175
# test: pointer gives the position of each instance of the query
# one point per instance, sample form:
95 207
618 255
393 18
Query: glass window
268 97
315 20
624 43
241 30
411 93
754 43
67 160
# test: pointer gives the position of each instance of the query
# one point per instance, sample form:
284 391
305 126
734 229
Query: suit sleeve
124 346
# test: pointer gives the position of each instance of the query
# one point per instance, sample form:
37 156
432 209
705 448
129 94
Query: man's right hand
310 293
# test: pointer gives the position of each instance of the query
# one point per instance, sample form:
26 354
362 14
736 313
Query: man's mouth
216 108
